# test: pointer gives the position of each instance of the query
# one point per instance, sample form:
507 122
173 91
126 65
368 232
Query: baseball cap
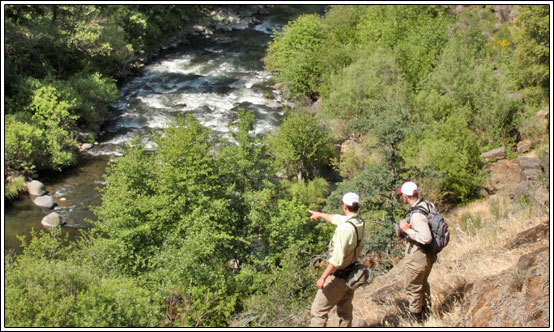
408 188
350 198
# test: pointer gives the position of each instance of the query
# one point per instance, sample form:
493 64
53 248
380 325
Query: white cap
408 188
350 198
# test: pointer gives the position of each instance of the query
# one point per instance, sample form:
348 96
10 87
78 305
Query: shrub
447 155
413 35
532 54
358 156
372 96
14 187
115 302
294 55
300 145
281 294
312 194
24 146
92 93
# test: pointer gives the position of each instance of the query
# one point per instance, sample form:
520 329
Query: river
210 78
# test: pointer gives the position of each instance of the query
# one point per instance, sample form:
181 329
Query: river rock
45 201
52 220
494 154
220 26
36 188
86 146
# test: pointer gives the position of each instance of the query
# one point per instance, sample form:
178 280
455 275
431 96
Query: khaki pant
334 293
418 268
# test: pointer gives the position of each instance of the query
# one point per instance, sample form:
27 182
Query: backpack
438 226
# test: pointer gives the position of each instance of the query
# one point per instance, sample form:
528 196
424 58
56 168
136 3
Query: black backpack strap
358 240
423 210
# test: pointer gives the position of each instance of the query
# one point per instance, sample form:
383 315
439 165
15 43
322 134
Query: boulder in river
45 201
36 188
52 220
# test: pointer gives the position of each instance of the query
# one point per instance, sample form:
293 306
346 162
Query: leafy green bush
300 145
281 295
294 55
48 285
115 302
532 54
447 155
372 96
92 93
23 146
312 194
413 35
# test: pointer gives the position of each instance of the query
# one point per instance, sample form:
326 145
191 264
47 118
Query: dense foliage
440 83
207 231
62 63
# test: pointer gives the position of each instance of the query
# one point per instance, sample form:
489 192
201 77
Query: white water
211 82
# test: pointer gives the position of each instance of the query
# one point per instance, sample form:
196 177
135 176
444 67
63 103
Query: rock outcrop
516 297
494 154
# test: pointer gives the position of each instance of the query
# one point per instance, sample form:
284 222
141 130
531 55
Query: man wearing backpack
419 261
344 250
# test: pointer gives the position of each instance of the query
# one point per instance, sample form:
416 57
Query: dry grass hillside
495 272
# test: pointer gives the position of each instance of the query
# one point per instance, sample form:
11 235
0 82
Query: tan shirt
419 227
342 248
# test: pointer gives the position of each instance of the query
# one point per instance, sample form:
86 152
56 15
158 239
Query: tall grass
471 256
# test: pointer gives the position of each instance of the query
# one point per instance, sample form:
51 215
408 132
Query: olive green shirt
342 248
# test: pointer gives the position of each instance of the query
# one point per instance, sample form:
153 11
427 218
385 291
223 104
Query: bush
413 35
300 145
465 81
280 295
445 156
14 187
48 285
294 55
24 147
115 302
311 194
92 94
358 156
532 54
372 96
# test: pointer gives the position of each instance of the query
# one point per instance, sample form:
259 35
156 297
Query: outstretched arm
316 214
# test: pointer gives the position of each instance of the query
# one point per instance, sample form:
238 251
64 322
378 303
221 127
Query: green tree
532 55
294 55
300 145
414 35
